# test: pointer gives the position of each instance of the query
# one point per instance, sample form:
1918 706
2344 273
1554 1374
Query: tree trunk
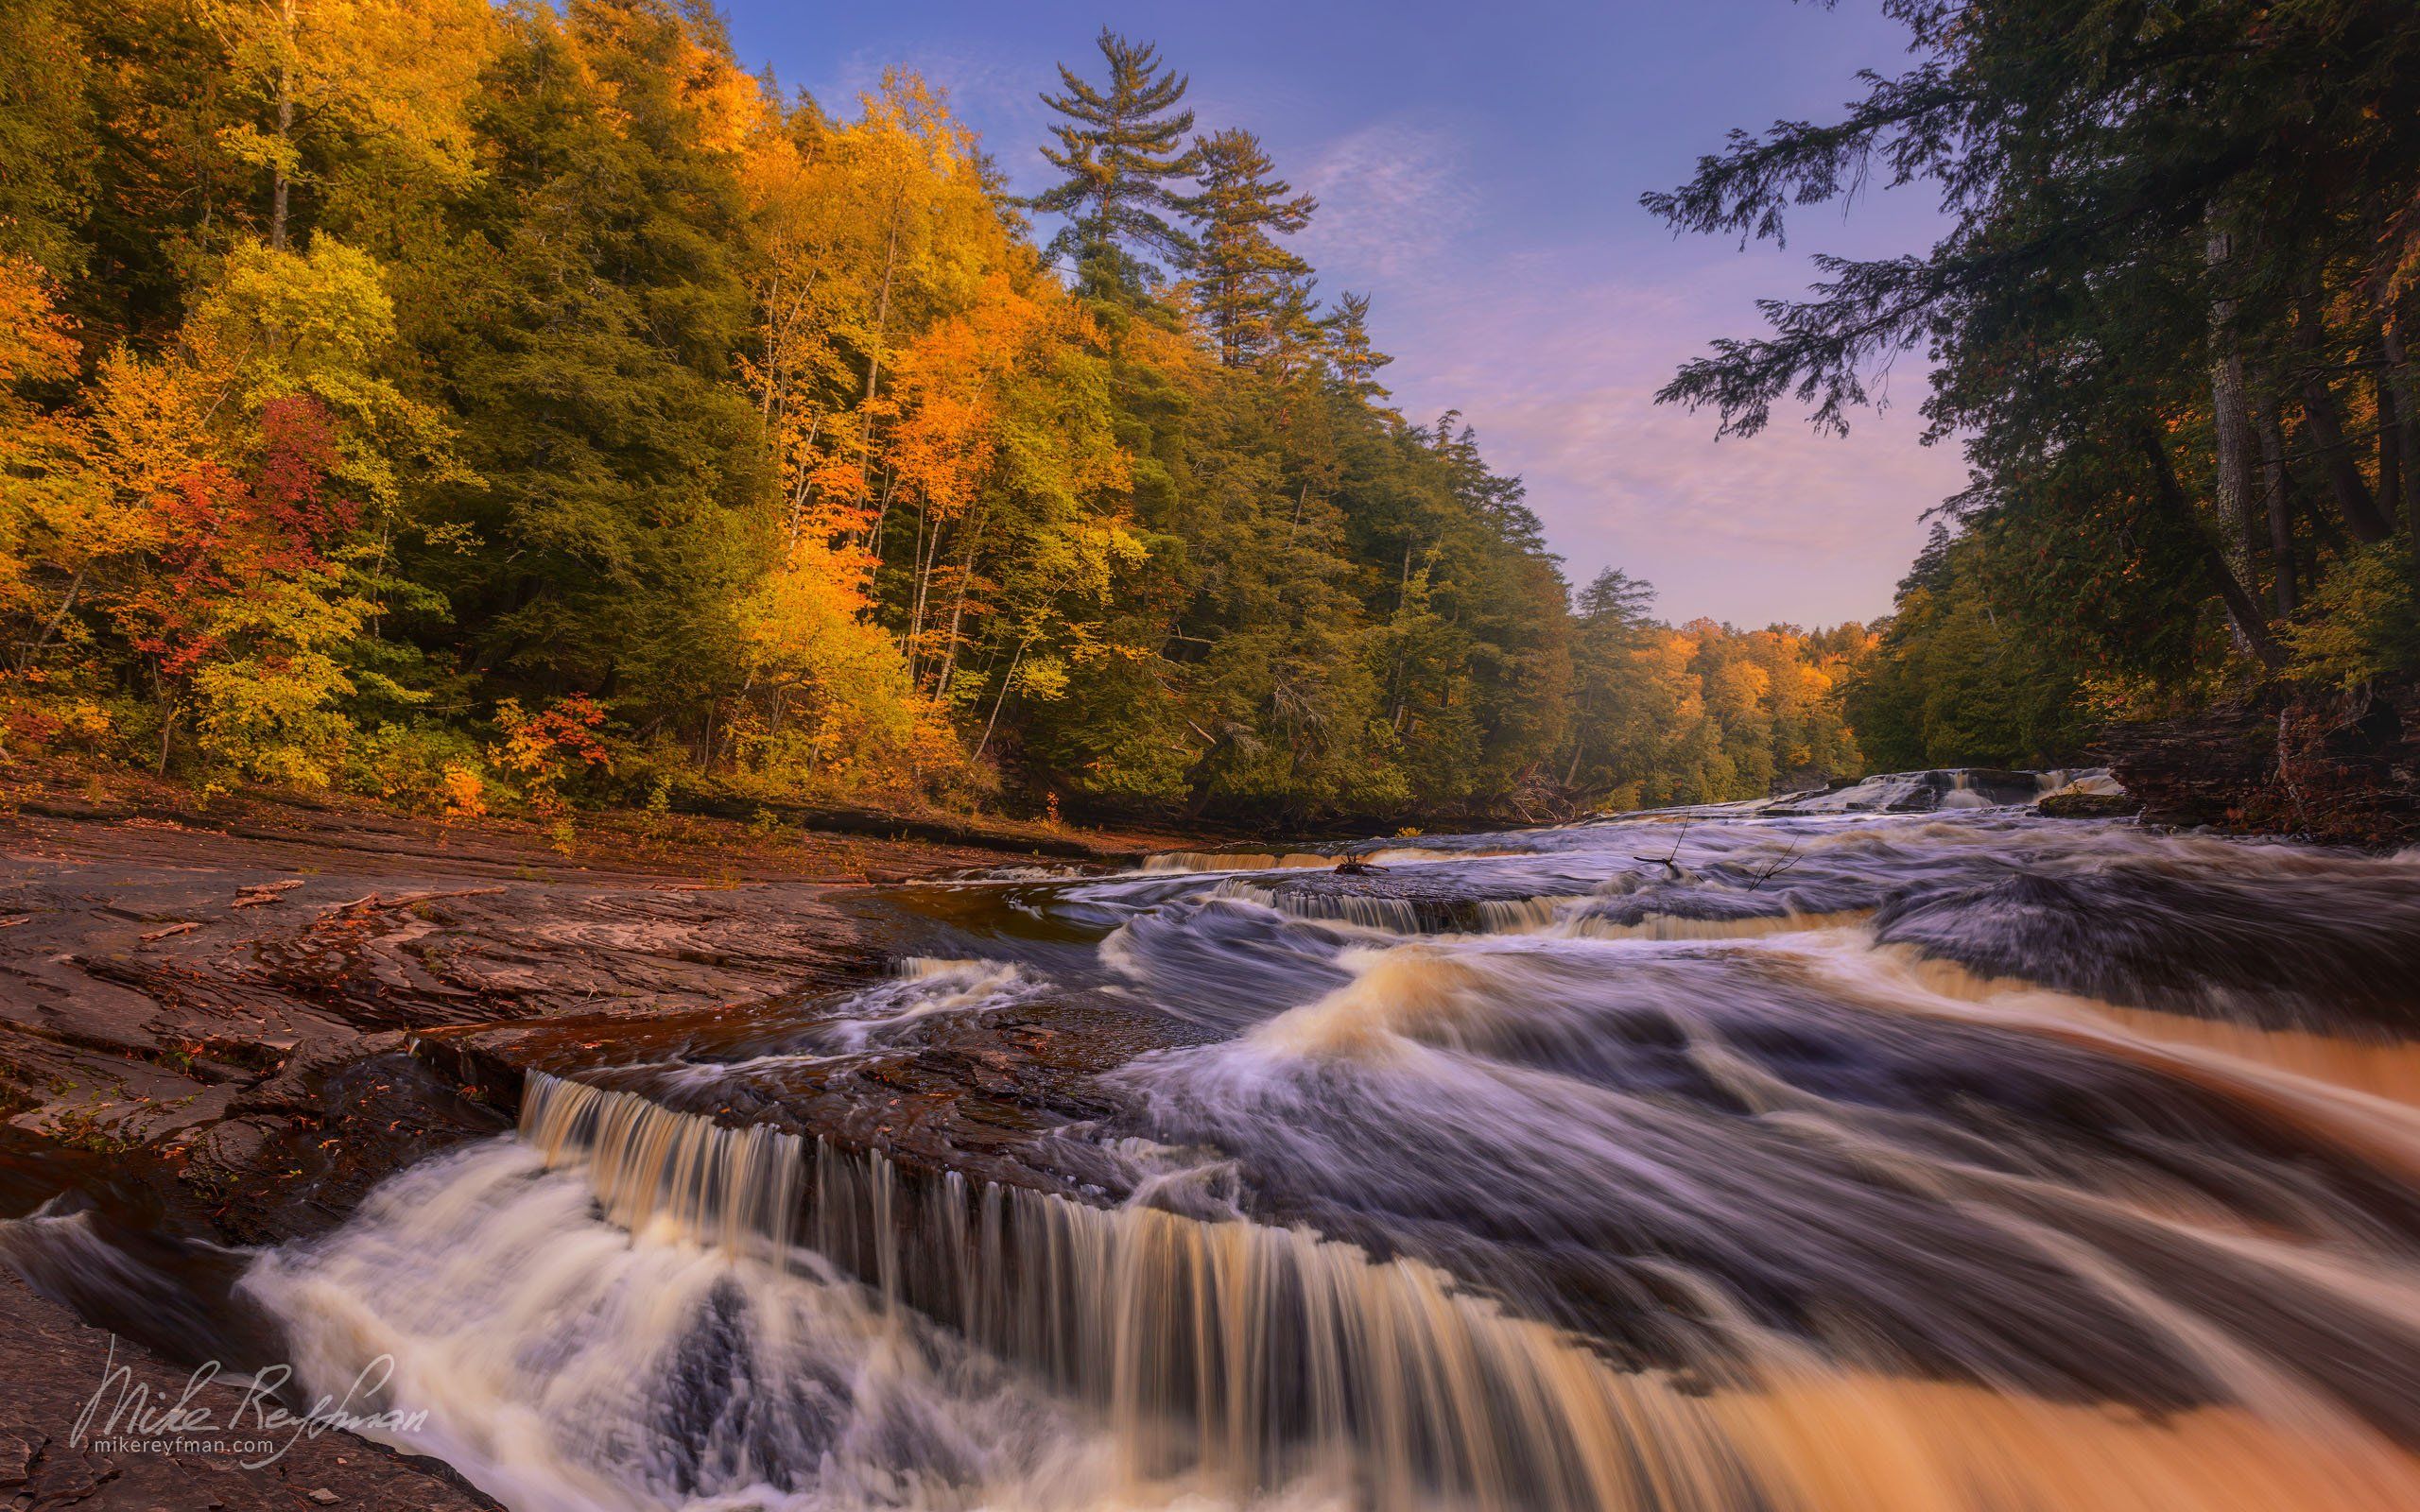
916 594
770 343
2327 531
874 354
2396 387
2229 418
2241 612
2326 426
924 565
957 607
280 182
806 480
2391 455
280 189
2407 416
1008 680
2281 519
28 650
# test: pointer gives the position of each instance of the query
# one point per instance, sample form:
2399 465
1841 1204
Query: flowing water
1832 1161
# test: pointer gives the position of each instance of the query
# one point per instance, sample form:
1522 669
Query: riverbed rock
2341 769
53 1365
249 1059
2077 804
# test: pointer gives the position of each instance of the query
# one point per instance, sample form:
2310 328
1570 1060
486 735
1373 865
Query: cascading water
1850 1162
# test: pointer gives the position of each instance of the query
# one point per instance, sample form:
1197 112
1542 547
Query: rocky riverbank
208 1017
2343 769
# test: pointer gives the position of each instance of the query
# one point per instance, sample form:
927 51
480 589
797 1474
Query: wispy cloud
1001 99
1555 349
1393 197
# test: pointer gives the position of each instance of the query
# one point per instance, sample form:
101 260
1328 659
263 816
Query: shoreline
207 1032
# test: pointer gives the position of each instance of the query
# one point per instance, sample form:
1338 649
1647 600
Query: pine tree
1616 599
595 381
1121 146
1350 355
1255 294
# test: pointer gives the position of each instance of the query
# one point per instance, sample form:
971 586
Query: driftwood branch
405 899
264 892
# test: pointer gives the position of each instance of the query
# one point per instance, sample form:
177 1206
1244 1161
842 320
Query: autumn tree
342 84
526 406
207 514
49 140
52 524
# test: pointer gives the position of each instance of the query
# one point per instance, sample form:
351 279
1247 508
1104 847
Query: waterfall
1242 1349
1185 861
1394 916
737 1188
1249 1358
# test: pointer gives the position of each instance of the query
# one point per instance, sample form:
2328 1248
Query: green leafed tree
2169 316
1960 677
625 477
439 397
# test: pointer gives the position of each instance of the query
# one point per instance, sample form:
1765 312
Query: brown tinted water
1844 1161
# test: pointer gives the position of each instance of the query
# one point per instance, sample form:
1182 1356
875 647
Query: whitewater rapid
1833 1161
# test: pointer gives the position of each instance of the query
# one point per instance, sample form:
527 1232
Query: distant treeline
475 405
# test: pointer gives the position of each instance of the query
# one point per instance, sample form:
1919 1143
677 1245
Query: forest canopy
483 405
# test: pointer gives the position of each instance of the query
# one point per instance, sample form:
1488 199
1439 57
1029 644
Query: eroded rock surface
226 998
207 1028
53 1365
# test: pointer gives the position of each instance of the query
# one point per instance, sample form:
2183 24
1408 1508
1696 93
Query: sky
1478 169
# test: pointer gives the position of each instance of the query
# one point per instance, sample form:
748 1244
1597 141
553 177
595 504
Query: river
1846 1161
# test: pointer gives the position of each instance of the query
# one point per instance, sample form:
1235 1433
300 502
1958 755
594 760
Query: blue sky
1478 170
